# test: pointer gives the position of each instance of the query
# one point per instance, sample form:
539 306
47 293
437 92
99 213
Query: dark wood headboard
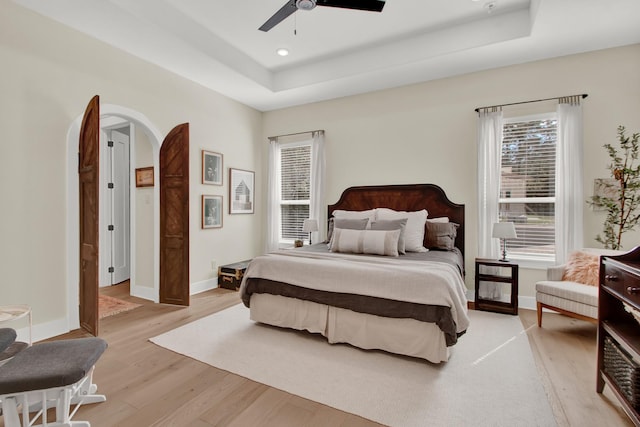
413 197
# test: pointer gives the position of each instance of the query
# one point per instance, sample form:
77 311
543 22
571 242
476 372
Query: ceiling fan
292 5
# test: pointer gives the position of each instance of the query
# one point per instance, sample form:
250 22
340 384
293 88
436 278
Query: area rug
490 380
108 306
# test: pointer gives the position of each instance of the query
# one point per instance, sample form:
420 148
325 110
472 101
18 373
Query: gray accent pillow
346 223
441 235
392 224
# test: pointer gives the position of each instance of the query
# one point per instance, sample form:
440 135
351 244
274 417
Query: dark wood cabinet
490 271
619 331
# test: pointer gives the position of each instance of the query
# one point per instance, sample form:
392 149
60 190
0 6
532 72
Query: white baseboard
194 288
144 292
525 302
203 286
42 331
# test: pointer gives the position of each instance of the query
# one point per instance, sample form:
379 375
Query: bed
412 303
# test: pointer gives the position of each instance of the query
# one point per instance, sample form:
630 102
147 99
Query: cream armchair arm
555 273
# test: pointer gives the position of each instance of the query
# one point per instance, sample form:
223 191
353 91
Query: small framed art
144 177
211 168
241 191
211 211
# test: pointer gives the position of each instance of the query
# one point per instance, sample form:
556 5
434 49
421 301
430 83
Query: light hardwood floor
147 385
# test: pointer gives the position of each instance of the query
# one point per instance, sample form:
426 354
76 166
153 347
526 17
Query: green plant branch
620 210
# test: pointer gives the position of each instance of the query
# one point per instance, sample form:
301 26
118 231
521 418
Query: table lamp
503 231
309 226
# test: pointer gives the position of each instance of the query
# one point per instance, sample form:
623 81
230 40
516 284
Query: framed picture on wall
144 177
211 168
241 191
211 211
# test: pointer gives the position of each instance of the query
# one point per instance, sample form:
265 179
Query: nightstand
491 273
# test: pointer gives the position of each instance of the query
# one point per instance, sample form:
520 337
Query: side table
497 273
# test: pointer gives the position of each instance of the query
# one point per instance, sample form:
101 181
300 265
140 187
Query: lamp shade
309 225
504 230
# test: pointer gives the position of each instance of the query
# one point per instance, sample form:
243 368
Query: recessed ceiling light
282 51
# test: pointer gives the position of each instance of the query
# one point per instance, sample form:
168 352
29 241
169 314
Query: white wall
49 74
426 133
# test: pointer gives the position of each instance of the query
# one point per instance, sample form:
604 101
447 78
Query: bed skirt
407 337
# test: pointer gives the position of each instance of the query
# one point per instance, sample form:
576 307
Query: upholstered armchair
572 288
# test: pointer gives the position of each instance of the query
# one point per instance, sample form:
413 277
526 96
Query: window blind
527 185
295 182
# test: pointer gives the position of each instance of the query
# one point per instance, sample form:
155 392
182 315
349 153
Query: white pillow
414 232
374 242
369 214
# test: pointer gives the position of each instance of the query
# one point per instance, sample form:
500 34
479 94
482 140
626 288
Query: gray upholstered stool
57 373
7 337
9 347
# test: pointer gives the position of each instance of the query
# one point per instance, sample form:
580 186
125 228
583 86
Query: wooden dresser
619 331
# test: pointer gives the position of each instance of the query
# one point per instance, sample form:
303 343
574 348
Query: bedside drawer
623 282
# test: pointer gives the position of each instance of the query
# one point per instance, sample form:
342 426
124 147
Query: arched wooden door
88 171
174 217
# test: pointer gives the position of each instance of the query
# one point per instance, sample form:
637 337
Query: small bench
7 337
51 374
9 347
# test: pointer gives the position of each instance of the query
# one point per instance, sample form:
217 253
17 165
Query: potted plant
619 197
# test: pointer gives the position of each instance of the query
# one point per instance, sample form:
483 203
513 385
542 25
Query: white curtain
489 165
569 188
317 208
273 197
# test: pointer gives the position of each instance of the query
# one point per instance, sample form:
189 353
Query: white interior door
120 246
115 248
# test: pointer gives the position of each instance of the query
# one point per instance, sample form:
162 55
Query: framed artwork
211 211
241 191
144 177
211 168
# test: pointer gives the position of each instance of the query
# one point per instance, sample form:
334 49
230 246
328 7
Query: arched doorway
155 139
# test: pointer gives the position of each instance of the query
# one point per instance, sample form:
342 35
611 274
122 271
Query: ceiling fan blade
279 16
371 5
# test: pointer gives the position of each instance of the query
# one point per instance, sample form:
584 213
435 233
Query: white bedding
422 282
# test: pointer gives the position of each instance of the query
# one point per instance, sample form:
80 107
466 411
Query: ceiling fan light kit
293 5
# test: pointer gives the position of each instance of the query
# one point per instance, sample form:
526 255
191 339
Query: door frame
73 134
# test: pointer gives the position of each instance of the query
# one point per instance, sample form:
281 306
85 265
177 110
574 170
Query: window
527 185
295 190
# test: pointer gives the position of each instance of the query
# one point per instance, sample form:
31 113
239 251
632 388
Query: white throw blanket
422 282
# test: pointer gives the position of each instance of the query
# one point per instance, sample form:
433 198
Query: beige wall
144 200
415 134
426 133
49 74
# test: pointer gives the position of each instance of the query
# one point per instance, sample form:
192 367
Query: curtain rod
477 110
296 133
